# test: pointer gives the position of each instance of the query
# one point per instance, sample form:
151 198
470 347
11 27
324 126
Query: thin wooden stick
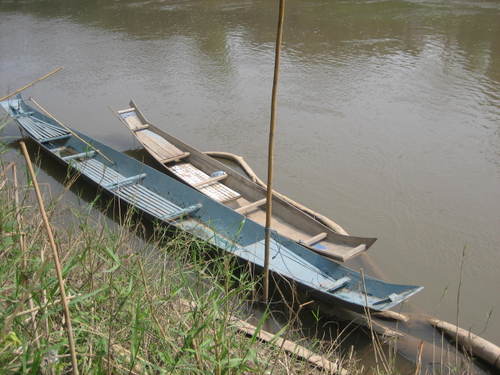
70 130
419 358
38 308
270 156
4 171
55 256
30 84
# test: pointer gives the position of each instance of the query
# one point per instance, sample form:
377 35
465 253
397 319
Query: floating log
478 346
333 367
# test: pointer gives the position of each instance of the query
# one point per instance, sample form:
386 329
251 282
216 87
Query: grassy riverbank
137 306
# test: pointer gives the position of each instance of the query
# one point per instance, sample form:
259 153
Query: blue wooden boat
167 200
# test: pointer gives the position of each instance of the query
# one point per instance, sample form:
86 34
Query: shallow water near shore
388 119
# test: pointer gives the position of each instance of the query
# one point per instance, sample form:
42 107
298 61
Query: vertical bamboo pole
270 155
57 262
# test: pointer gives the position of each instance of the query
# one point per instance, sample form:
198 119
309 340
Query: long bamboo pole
30 84
270 155
70 130
55 256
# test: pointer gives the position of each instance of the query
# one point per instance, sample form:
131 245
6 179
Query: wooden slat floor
157 145
193 175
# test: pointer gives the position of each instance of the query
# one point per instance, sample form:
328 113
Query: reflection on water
388 112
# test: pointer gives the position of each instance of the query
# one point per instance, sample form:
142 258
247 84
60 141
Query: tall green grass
137 306
143 300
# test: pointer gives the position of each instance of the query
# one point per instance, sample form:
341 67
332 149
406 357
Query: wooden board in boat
164 151
194 177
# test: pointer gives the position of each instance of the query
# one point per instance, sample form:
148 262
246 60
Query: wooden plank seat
194 176
126 110
175 158
315 239
390 298
125 181
57 150
251 206
81 155
210 181
131 192
333 285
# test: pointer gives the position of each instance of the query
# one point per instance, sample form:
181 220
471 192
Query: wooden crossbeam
57 149
183 212
315 239
251 206
126 110
332 286
175 158
125 181
141 127
86 155
210 181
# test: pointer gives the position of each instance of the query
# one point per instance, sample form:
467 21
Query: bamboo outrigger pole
270 156
30 84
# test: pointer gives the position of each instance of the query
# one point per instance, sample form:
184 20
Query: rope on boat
480 347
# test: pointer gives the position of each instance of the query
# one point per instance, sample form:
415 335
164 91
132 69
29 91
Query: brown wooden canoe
225 185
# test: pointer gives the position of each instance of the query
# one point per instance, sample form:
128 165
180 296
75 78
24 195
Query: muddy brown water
389 113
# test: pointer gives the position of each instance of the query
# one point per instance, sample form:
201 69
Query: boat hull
209 220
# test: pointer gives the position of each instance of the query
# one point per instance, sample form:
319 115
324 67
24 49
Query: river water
389 113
